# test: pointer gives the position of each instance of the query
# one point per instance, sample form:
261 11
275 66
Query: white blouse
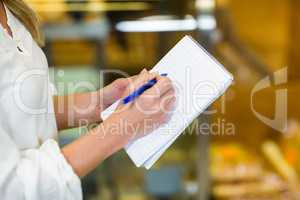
31 164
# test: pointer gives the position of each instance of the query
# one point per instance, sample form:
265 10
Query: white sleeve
36 174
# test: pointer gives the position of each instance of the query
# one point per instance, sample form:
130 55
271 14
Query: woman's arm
87 152
85 108
71 110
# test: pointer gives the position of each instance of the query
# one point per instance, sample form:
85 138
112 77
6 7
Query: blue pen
141 90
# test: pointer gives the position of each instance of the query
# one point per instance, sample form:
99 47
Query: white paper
198 79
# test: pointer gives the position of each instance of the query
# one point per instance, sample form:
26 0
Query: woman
32 166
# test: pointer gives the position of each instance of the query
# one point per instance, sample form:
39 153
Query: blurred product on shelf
238 174
290 143
275 156
270 186
230 162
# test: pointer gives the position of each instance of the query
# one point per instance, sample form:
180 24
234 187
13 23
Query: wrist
97 101
115 127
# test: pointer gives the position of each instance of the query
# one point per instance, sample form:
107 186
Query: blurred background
251 149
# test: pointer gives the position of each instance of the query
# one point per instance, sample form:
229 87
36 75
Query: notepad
199 79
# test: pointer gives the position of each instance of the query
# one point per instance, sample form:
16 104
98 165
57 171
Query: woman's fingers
132 78
156 98
167 100
143 78
166 108
139 80
163 85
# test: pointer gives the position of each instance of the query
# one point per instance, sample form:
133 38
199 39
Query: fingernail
156 73
144 71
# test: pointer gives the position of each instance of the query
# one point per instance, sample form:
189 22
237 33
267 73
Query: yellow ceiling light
92 6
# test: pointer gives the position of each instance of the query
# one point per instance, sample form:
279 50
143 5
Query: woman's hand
148 111
113 92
